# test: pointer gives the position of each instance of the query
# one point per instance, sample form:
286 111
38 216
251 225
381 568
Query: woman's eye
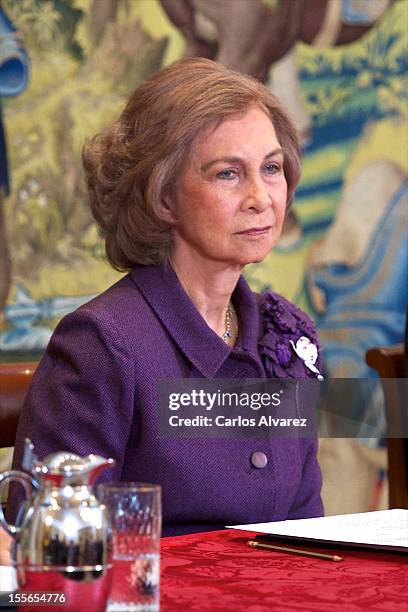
272 168
227 174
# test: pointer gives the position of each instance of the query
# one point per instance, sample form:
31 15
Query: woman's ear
166 209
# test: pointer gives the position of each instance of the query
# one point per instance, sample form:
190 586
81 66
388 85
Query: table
218 571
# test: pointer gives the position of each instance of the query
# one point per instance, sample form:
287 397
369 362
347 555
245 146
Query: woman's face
230 199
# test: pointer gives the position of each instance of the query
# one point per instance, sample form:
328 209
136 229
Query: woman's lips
255 231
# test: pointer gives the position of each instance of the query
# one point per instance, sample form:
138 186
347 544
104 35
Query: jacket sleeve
82 394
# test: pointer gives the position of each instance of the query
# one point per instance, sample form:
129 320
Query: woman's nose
256 195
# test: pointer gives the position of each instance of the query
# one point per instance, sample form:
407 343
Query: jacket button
259 459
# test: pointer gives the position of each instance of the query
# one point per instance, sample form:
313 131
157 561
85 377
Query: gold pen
295 551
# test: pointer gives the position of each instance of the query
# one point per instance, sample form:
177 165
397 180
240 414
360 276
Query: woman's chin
254 255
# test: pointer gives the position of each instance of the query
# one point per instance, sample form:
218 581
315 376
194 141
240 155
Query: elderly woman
191 184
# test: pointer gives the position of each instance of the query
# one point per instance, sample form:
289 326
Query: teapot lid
63 463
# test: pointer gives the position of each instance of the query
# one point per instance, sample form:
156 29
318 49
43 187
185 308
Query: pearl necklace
231 324
228 318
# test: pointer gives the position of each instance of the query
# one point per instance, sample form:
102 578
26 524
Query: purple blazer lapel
199 343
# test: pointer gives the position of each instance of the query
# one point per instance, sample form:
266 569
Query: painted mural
339 66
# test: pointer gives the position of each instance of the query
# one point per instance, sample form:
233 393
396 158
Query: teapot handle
28 484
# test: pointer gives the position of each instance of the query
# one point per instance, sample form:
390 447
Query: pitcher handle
28 484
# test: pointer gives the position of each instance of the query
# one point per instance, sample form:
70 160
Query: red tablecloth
219 571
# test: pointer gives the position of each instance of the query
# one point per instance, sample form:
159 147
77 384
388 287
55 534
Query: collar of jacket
199 343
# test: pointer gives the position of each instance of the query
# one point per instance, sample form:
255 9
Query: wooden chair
389 363
15 379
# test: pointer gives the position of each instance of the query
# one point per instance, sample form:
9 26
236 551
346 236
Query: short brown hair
137 160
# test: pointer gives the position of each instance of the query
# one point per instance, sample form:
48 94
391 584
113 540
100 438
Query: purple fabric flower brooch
288 347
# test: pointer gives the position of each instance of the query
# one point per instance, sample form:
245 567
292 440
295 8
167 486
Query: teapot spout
96 465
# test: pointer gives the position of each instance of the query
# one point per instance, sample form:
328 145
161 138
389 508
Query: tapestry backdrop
339 66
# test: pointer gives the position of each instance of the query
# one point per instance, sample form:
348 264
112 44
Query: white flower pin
307 351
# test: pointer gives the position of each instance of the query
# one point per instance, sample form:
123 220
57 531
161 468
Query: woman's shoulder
117 296
117 312
288 344
120 301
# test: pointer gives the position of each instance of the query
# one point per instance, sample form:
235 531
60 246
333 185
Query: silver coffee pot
63 534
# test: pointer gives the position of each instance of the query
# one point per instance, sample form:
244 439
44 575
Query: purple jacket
95 392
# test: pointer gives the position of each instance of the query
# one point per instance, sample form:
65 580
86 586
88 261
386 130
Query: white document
384 528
